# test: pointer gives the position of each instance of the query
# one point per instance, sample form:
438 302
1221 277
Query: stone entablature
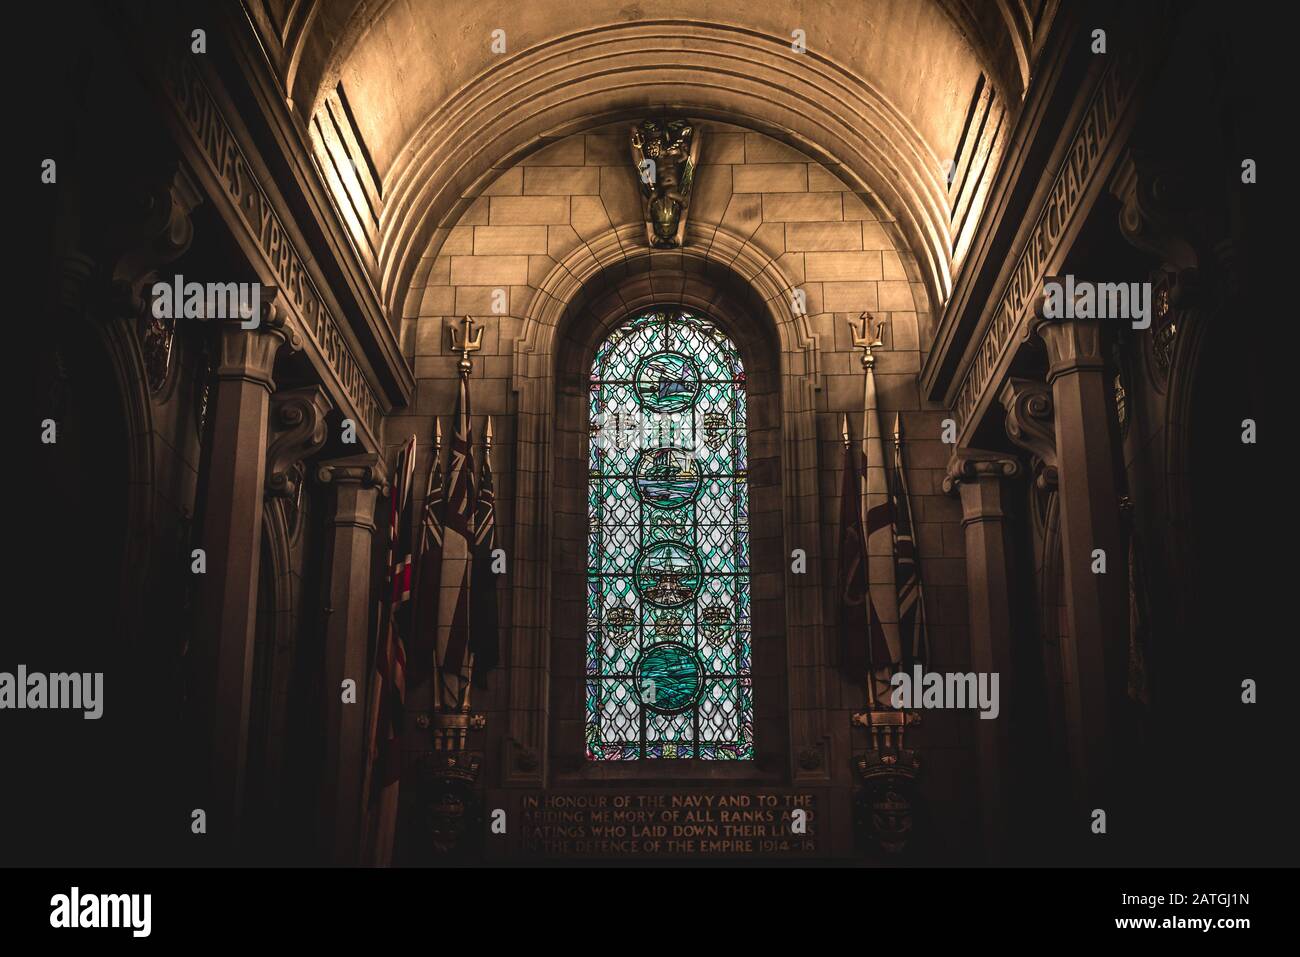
1084 158
221 161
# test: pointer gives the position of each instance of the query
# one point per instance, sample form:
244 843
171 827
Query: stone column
232 542
1096 603
357 481
982 479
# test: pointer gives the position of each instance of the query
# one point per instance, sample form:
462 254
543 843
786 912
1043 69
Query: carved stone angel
665 153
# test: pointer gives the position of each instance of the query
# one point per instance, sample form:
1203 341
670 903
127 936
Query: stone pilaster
1094 651
982 479
231 540
357 482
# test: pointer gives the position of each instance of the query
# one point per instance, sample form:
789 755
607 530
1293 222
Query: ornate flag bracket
450 729
886 727
468 341
866 336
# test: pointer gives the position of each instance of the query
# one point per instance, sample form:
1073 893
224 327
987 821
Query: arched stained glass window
668 611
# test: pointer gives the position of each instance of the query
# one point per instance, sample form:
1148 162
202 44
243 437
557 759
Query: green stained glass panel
668 620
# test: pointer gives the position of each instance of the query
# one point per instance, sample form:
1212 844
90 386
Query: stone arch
725 73
568 316
571 244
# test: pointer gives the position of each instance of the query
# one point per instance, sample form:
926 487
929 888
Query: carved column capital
366 469
358 481
979 476
298 431
1072 345
250 353
1031 425
970 465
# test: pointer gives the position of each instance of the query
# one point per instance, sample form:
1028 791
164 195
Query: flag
882 607
428 570
483 644
384 765
907 572
454 662
855 654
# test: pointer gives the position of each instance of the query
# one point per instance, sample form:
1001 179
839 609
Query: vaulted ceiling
413 113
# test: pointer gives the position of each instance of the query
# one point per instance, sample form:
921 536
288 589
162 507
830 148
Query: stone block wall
575 200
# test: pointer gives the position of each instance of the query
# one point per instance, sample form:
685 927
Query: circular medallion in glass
667 382
667 574
667 478
669 677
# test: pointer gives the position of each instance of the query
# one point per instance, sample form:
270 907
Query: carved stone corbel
1152 218
158 232
1148 219
666 154
1031 425
298 431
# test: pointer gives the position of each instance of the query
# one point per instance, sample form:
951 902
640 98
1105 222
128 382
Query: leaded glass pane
668 626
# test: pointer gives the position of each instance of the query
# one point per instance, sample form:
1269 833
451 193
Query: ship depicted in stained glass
668 587
666 382
666 478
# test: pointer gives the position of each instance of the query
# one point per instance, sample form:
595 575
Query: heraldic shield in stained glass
668 611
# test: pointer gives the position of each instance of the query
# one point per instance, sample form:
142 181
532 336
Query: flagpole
902 481
469 341
469 683
911 523
433 471
871 681
868 339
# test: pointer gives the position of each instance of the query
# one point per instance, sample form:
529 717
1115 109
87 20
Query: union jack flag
455 663
907 572
428 570
384 765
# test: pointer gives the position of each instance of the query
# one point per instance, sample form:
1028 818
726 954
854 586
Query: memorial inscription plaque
656 823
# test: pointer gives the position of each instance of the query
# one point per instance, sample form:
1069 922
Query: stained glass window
668 611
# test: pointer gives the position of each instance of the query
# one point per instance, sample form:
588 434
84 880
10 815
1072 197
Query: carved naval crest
665 153
450 818
886 807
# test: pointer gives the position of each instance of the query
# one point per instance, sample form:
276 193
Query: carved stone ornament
665 153
250 353
886 807
153 230
968 465
449 813
298 432
1031 424
526 758
810 759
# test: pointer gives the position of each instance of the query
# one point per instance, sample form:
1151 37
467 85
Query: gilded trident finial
866 338
469 341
